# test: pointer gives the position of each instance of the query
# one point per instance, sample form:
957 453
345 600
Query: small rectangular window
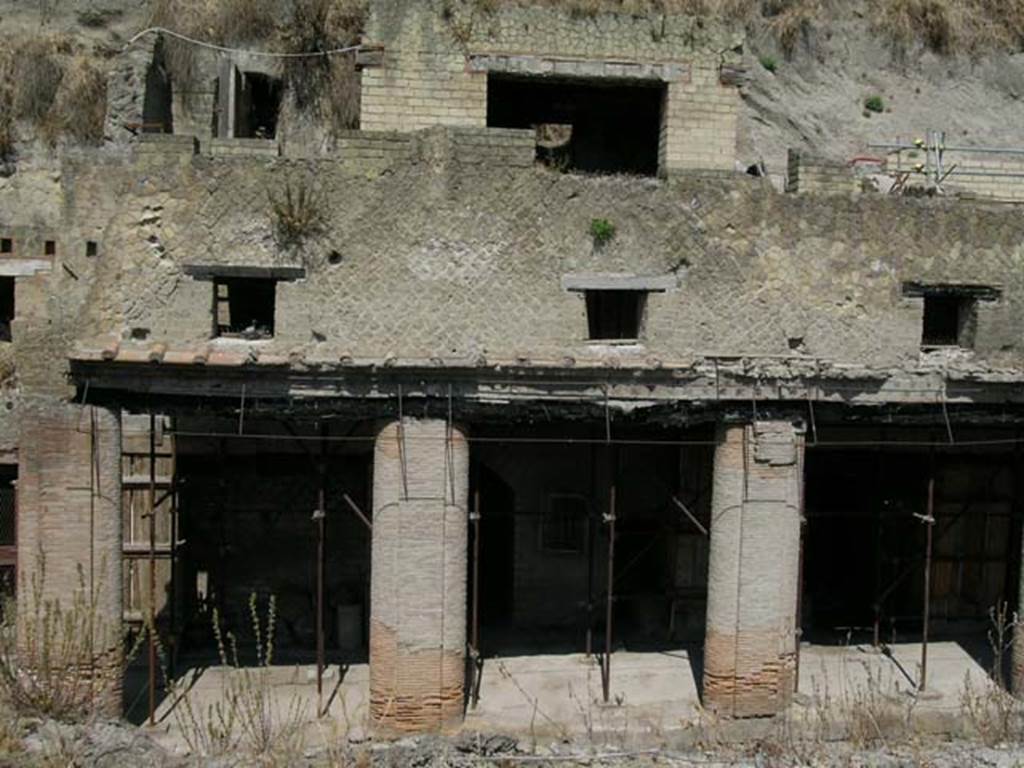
50 248
6 245
243 307
91 248
615 315
950 311
947 321
564 525
6 307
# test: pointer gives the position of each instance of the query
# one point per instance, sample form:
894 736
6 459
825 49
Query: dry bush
36 75
328 85
58 660
951 26
46 84
244 716
297 214
80 107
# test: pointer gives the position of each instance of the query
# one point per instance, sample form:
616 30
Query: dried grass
58 660
244 718
945 26
80 106
46 83
325 85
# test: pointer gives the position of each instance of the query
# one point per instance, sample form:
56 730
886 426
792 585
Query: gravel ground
116 745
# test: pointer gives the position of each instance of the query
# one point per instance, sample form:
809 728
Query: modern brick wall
69 525
753 572
699 120
416 89
434 72
418 582
813 175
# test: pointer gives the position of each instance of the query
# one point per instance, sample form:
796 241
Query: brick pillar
69 531
1017 651
418 584
753 570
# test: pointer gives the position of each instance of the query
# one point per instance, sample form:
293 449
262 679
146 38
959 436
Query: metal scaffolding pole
929 521
606 677
474 651
152 569
798 629
320 517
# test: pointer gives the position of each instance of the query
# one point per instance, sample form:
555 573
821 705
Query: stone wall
434 257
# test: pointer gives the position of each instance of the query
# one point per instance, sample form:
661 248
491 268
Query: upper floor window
615 315
950 312
243 307
598 126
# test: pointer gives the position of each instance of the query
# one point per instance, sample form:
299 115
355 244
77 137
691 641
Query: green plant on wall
874 104
602 231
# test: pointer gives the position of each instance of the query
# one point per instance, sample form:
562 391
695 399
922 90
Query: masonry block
750 645
418 592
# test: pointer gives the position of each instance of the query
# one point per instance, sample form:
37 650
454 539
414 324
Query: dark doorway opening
6 307
544 542
247 513
8 533
157 109
865 543
586 125
257 105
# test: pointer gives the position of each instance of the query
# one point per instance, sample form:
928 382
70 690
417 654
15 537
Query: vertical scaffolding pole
930 523
321 517
475 657
591 536
152 569
606 678
798 630
173 491
878 503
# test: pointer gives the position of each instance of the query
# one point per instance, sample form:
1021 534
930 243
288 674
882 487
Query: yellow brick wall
416 90
699 123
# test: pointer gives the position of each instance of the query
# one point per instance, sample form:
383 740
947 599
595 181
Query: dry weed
328 85
80 106
297 214
59 660
244 717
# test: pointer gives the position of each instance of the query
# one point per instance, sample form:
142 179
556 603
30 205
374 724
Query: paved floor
560 696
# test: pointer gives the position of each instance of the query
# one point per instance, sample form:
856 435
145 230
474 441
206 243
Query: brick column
1017 651
69 531
418 584
753 571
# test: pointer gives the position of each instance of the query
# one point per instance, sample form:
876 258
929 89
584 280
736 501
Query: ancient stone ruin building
529 357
